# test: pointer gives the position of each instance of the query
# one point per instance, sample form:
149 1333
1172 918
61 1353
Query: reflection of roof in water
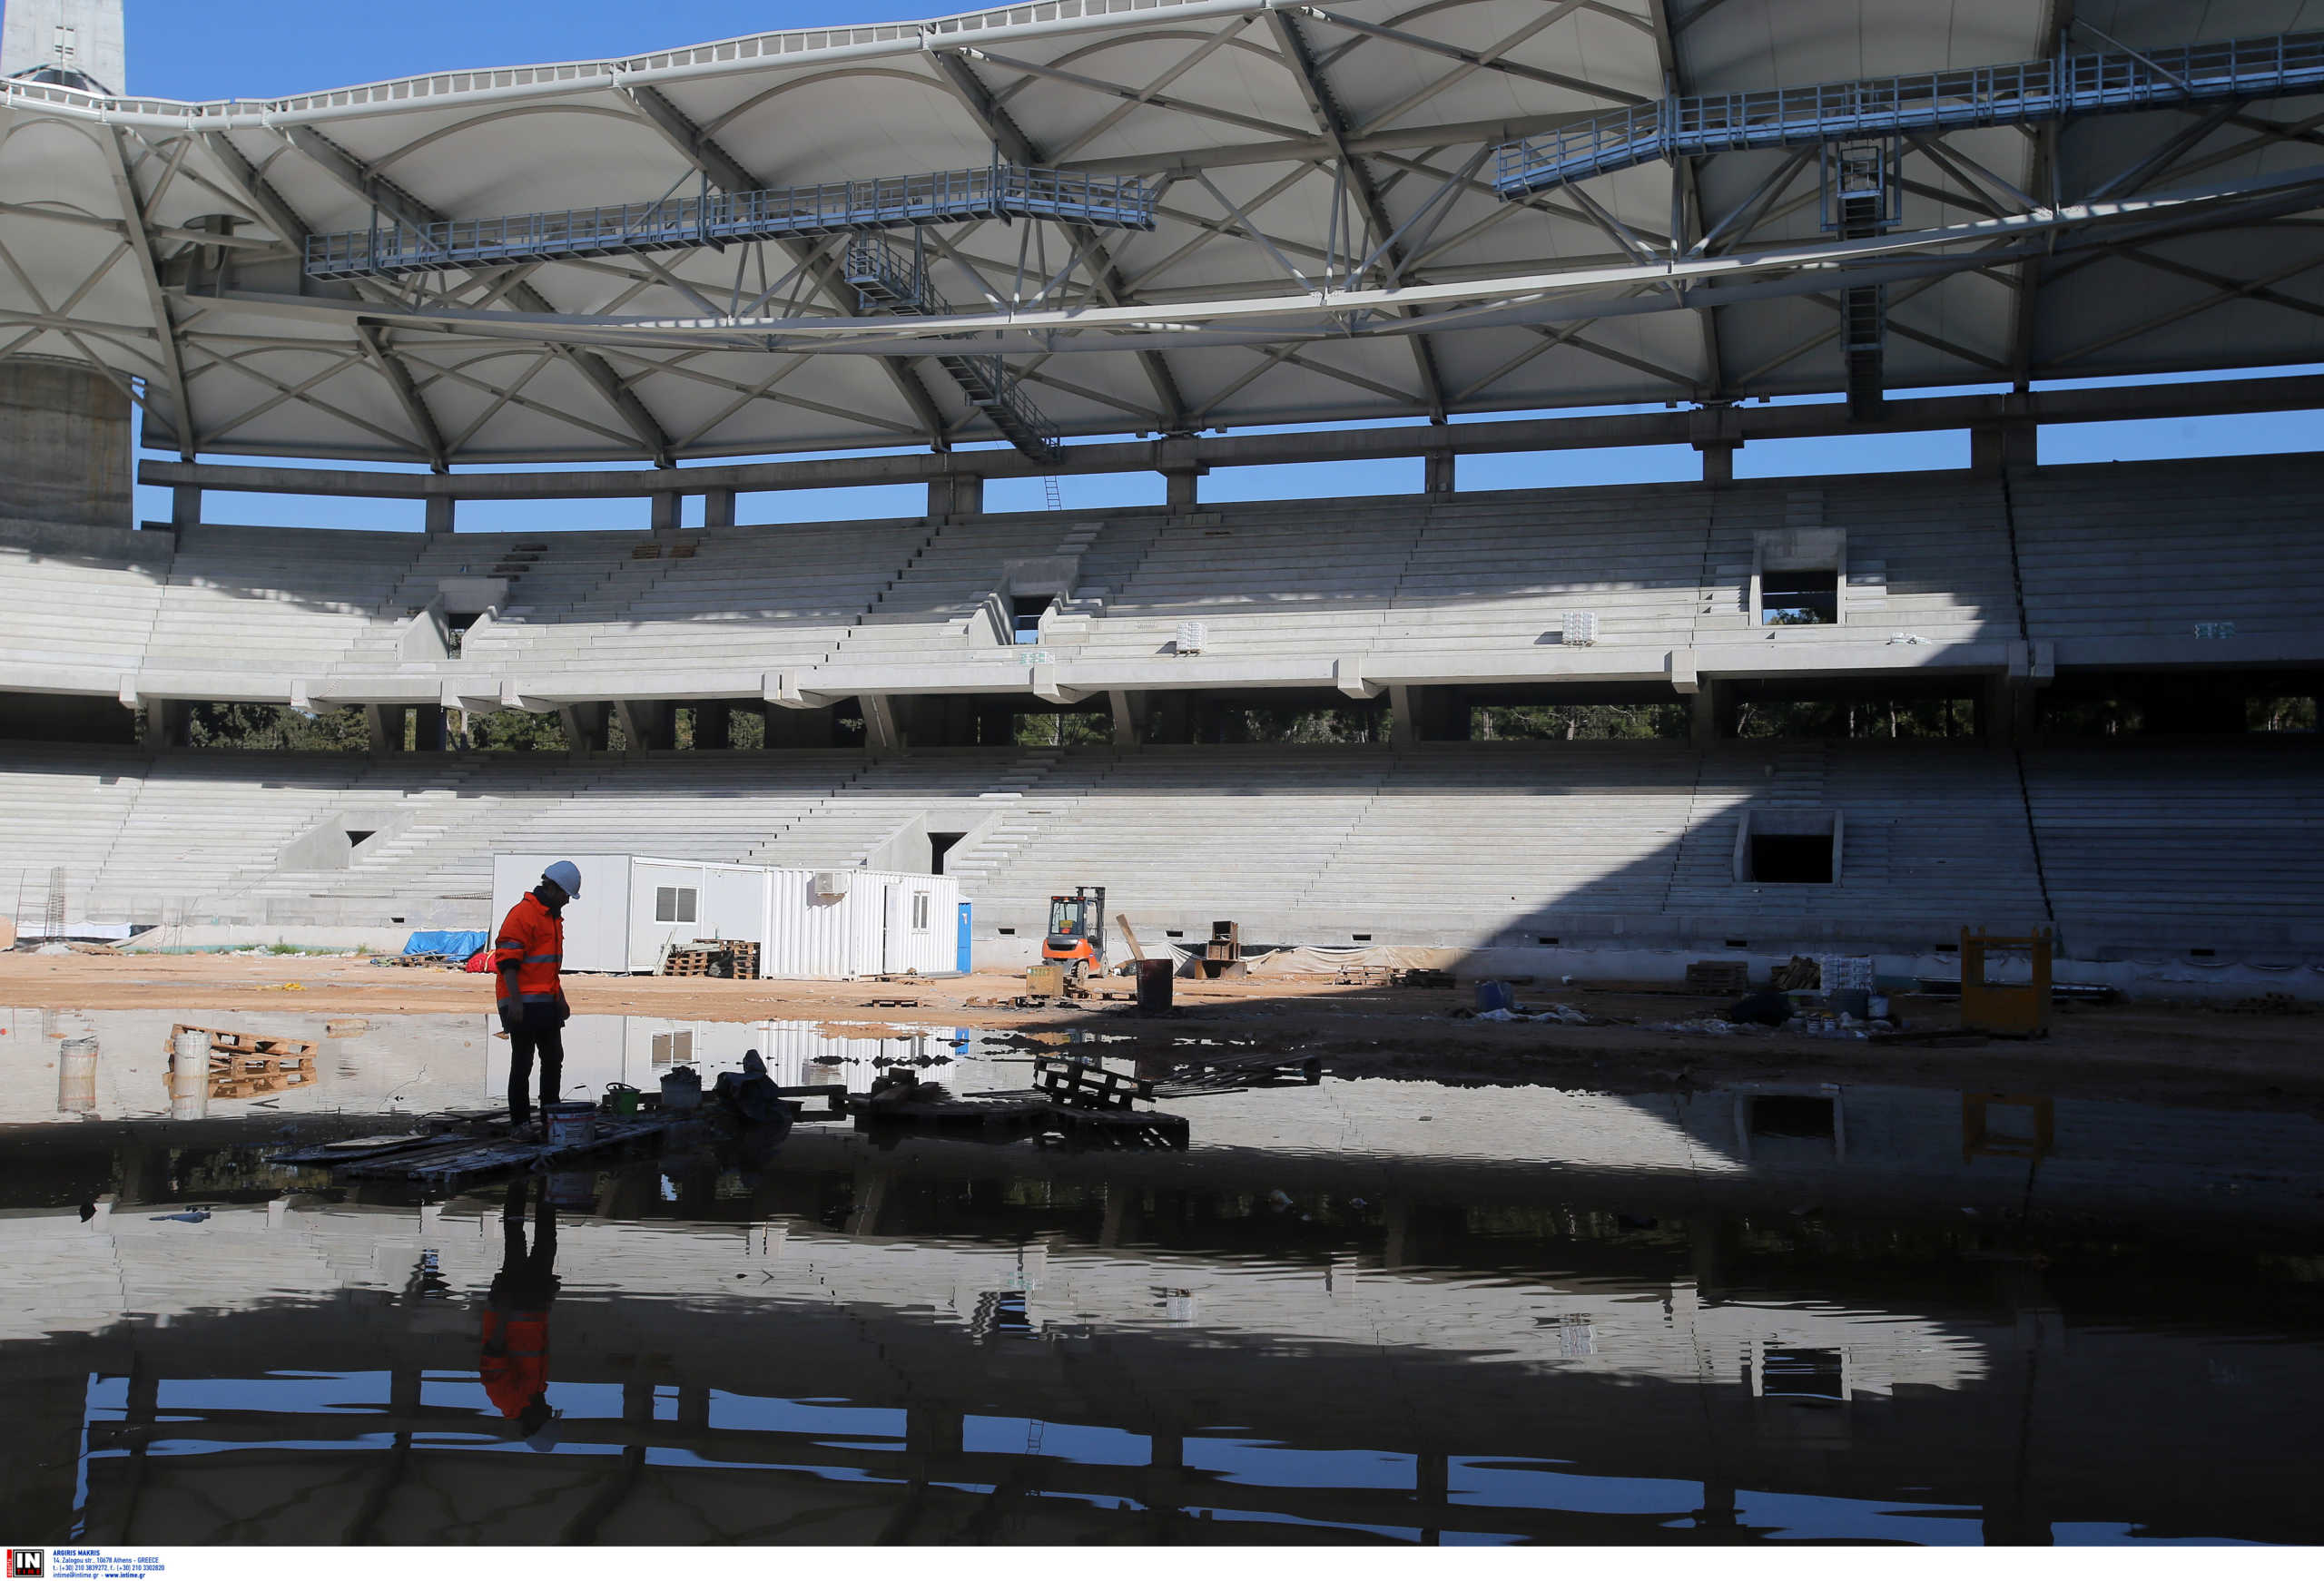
76 1277
780 1366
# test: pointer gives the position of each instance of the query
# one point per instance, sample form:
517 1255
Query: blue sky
267 48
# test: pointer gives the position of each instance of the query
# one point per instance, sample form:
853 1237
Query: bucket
1154 987
681 1088
621 1100
77 1076
190 1075
569 1125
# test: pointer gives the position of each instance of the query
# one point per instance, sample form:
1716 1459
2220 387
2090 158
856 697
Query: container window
1800 1374
672 904
920 912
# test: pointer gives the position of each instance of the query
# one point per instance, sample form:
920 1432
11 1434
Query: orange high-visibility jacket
532 939
514 1365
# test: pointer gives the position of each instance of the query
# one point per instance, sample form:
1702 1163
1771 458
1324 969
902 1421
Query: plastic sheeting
459 944
1306 958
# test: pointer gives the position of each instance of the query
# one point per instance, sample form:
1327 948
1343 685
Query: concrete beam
1709 429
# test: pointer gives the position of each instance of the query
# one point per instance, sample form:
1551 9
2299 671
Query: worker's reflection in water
515 1364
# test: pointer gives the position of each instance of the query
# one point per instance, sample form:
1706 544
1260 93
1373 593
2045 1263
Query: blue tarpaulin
458 945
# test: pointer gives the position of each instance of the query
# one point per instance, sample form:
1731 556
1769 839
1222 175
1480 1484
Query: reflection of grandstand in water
849 1342
411 1064
1915 1151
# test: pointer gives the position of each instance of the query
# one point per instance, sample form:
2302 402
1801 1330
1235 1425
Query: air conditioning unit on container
830 886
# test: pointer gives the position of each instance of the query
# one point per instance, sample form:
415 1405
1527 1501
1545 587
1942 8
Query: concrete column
1437 480
1173 719
714 723
1129 710
1718 462
953 497
718 508
441 507
185 506
880 731
1401 732
1702 718
1438 713
1997 711
1179 491
649 726
584 726
428 734
2005 447
64 442
665 513
384 721
165 721
800 727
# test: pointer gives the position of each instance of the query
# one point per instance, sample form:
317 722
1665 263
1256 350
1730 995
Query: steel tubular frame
715 219
889 282
1928 102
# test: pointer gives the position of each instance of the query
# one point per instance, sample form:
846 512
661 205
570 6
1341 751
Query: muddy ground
2271 1055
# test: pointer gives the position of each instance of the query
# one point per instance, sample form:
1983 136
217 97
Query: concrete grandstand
1158 222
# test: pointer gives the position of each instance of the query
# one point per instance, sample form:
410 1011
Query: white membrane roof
1289 141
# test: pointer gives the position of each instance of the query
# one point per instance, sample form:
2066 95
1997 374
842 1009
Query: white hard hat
564 876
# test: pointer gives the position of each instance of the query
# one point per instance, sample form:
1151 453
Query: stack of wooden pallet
244 1065
1721 977
712 957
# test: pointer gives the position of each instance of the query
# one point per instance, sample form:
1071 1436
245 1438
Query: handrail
2027 91
714 218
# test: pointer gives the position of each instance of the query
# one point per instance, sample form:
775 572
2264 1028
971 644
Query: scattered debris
192 1216
1565 1014
1797 975
891 1004
1768 1009
345 1027
2269 1004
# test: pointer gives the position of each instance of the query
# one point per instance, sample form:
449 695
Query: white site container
807 923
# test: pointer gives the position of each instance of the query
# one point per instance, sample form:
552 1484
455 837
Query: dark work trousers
526 1280
541 1032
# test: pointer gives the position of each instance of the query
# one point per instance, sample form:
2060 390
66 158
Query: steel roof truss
405 209
1106 278
1489 60
721 168
142 249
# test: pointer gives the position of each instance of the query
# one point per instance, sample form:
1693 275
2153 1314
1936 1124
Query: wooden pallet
1208 1080
718 957
1071 1084
1722 977
448 1162
1141 1130
999 1117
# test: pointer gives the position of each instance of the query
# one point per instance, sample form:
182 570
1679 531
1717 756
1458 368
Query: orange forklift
1077 936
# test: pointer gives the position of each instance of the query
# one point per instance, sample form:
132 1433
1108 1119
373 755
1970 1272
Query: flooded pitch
1361 1312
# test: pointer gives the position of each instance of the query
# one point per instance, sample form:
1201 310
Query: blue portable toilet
964 935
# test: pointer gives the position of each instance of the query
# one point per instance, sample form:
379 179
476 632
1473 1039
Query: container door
961 950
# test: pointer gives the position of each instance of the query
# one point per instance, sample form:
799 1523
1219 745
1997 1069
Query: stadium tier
2196 563
1078 239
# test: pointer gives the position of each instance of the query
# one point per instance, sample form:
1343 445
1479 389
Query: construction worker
514 1367
525 965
